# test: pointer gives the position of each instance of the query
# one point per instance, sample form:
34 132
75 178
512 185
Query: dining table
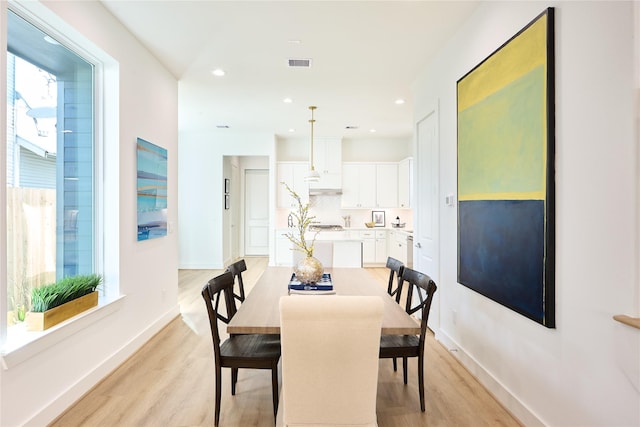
260 311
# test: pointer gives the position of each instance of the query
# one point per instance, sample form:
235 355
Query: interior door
234 240
256 212
426 246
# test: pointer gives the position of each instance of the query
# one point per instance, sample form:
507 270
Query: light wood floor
169 381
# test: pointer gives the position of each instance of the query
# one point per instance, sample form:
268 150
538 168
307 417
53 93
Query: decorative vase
308 270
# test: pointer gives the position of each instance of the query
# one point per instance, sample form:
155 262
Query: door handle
418 245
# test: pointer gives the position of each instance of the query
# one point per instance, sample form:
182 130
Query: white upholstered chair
330 346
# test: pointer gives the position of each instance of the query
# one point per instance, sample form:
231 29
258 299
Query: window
50 164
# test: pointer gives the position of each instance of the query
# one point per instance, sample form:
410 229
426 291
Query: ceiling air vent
300 63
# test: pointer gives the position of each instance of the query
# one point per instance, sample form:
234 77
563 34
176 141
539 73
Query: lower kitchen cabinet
347 253
398 246
284 252
342 251
374 247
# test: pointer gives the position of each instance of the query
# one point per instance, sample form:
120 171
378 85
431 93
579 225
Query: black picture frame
378 218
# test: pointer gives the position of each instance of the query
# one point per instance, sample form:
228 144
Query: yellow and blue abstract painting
152 190
506 190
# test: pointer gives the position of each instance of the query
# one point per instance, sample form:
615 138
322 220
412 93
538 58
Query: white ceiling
365 55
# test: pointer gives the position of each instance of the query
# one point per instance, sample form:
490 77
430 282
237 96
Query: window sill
21 344
634 322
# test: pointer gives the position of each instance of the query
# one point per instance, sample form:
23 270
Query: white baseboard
56 407
501 393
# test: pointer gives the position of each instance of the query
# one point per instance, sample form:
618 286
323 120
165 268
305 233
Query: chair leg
218 394
395 364
421 382
234 380
274 391
404 369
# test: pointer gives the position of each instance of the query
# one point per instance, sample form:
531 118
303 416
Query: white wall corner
501 393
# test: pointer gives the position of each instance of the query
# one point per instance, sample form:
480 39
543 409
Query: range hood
325 191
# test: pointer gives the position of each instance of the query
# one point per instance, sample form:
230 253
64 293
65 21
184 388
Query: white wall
40 384
376 150
353 150
201 212
586 371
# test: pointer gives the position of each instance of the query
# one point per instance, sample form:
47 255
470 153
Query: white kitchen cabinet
284 252
381 246
405 183
332 249
368 247
327 161
347 253
358 185
374 247
387 185
369 185
293 174
397 246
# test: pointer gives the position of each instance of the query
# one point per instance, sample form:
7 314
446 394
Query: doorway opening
246 215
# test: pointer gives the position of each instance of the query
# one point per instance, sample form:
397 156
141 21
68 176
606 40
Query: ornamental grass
46 297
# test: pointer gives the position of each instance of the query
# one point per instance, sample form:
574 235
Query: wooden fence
31 242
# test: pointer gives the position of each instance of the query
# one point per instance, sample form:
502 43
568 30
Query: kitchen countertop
402 229
344 235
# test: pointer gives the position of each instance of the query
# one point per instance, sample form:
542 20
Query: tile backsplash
327 210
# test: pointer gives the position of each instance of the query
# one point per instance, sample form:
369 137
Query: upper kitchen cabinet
405 183
359 185
293 174
327 160
369 185
387 185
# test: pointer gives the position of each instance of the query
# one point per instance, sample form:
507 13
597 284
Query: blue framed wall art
152 190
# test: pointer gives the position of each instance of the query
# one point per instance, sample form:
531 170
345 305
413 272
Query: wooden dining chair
255 351
237 268
405 346
394 288
329 360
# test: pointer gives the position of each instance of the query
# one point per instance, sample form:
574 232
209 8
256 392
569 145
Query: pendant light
312 175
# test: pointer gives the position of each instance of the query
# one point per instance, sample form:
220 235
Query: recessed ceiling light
295 41
399 101
218 72
372 130
292 130
51 40
287 100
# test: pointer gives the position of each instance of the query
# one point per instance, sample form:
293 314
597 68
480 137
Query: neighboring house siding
36 171
11 131
76 157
